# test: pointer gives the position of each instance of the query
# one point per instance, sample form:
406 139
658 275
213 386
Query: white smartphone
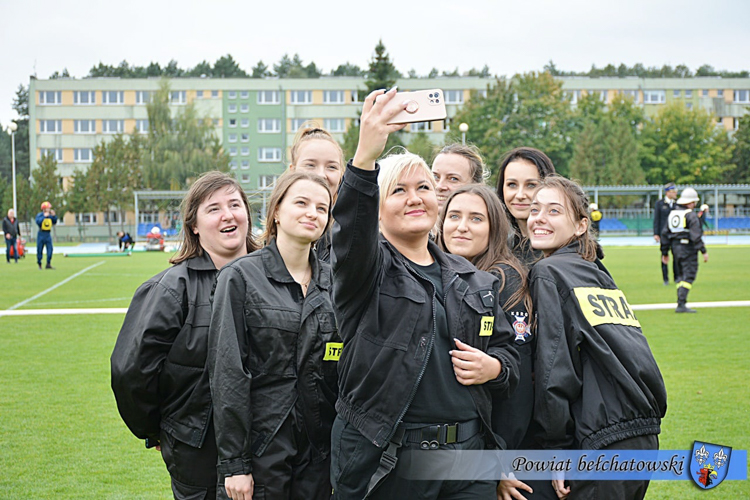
422 106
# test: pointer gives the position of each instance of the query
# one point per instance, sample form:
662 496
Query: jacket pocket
272 340
402 302
478 317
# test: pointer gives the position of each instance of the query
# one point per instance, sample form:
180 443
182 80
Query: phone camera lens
437 94
437 101
431 96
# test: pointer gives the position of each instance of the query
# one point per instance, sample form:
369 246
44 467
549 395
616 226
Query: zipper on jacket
427 357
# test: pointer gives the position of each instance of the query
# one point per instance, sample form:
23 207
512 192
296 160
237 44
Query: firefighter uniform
683 234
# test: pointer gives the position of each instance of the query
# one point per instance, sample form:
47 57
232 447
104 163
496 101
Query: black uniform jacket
596 380
386 316
661 214
688 234
158 364
268 347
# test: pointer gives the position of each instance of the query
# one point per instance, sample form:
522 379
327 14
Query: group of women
435 313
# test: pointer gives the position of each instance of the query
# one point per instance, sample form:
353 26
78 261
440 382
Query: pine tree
382 73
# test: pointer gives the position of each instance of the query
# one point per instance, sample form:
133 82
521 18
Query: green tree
741 153
684 146
178 149
260 70
347 69
420 144
227 67
530 110
381 74
77 199
46 185
21 106
200 69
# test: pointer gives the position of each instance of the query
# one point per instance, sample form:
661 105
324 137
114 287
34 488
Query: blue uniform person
684 235
45 220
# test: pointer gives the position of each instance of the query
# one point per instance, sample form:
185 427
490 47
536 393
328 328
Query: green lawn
61 436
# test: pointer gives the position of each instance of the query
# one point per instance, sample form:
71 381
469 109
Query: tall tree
203 68
684 146
21 106
741 155
347 69
77 199
260 70
227 67
46 185
381 74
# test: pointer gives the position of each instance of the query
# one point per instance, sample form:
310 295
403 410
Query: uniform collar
276 269
201 262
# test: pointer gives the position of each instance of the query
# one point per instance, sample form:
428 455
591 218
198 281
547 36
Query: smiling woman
416 323
159 374
273 352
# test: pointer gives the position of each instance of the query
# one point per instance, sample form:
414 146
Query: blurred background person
12 232
661 214
45 220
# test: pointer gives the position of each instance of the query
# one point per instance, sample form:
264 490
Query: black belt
431 437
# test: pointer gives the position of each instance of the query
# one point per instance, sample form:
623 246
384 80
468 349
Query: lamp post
464 127
13 127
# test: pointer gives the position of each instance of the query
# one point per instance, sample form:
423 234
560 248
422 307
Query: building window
245 178
632 94
742 96
654 97
269 154
704 93
112 97
244 108
142 97
214 94
720 93
141 126
112 216
267 181
736 123
421 127
232 94
55 153
244 94
688 94
245 164
482 93
245 151
676 94
297 124
232 137
233 122
232 108
355 97
269 125
233 164
48 98
88 218
454 96
87 97
83 155
178 97
50 126
199 94
85 127
689 105
334 124
575 95
215 121
112 126
447 124
233 151
301 96
245 137
333 97
245 122
268 97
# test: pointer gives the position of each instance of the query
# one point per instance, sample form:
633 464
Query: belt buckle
431 436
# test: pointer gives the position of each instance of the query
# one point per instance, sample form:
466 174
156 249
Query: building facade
257 119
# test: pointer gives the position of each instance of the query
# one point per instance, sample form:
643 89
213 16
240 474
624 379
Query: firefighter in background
684 234
596 217
661 213
45 220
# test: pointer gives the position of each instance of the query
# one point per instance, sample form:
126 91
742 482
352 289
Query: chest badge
521 326
333 351
487 326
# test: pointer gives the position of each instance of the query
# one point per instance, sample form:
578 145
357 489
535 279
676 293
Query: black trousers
355 459
193 470
675 269
289 468
620 490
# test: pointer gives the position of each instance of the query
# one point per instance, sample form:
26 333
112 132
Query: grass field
61 435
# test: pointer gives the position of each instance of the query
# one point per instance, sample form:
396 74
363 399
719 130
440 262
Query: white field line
40 294
123 310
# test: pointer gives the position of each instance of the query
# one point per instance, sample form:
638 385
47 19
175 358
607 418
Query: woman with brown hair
159 374
273 352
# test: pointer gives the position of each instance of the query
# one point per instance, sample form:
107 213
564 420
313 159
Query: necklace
306 281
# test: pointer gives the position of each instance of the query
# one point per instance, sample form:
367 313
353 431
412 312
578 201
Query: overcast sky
43 36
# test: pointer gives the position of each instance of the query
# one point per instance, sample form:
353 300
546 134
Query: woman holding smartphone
521 171
159 374
316 151
598 386
273 351
425 338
